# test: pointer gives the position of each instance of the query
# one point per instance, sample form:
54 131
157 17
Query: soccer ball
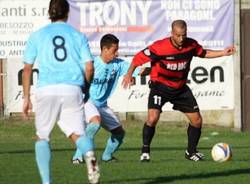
221 152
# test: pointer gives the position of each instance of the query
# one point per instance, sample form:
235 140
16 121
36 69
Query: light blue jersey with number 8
61 52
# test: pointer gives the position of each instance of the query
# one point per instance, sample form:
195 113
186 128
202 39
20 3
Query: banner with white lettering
138 23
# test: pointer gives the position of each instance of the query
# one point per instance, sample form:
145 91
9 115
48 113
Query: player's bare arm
89 72
128 79
219 53
27 105
143 72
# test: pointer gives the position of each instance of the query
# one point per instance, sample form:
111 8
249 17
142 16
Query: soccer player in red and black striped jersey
170 60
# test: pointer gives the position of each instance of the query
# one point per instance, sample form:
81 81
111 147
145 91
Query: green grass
17 163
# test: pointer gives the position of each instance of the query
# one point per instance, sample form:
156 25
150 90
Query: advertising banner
136 23
210 80
18 19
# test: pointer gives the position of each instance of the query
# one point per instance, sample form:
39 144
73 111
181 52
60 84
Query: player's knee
73 137
153 118
118 134
96 119
118 131
38 138
197 122
42 136
152 121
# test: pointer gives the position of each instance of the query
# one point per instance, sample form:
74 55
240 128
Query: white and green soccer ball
221 152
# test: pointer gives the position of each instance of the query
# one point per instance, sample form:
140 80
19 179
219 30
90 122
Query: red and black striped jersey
169 65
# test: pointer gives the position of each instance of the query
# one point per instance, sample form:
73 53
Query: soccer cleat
196 156
200 154
92 167
145 157
113 159
77 161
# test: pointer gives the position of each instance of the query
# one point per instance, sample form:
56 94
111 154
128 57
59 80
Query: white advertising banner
211 81
19 18
14 92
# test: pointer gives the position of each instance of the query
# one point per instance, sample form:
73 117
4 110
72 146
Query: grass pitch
168 165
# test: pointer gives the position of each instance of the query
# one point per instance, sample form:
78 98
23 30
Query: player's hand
27 107
229 51
127 81
133 81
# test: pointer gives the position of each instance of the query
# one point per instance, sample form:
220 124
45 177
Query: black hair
107 40
58 10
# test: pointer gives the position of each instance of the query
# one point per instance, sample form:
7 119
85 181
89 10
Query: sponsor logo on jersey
176 66
170 58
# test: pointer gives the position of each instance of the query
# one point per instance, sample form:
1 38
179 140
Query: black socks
193 138
147 135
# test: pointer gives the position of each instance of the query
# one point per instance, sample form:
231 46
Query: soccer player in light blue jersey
108 68
61 53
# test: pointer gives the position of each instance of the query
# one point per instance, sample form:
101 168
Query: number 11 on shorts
157 100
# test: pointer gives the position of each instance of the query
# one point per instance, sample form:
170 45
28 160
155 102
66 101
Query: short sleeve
85 50
30 52
200 52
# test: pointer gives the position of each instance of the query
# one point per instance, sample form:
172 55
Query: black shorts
182 99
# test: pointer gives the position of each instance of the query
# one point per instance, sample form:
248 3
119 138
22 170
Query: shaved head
178 33
180 24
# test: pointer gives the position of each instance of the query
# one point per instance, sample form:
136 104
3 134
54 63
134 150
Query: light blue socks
113 144
84 144
43 157
91 130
